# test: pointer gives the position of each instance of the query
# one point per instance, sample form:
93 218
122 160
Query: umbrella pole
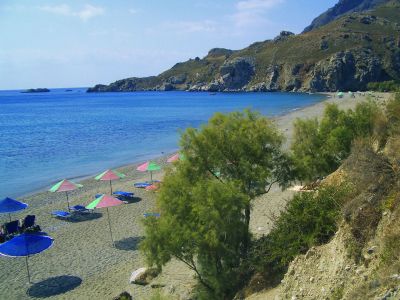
109 226
27 268
66 193
151 176
110 187
9 215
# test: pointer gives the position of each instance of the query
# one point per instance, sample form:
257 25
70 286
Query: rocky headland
361 46
38 90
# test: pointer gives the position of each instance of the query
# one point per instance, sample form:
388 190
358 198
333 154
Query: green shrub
124 296
319 148
385 86
393 114
309 219
390 253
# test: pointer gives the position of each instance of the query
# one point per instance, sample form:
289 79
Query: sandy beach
82 264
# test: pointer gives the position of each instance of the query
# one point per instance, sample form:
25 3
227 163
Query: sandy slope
82 260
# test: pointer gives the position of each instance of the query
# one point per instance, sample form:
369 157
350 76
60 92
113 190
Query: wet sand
82 264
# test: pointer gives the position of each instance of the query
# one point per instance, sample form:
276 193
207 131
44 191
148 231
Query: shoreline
82 178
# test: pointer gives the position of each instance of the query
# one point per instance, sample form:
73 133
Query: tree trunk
246 242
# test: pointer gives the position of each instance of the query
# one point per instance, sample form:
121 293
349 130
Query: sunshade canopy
148 166
8 205
64 186
25 245
104 201
109 175
175 157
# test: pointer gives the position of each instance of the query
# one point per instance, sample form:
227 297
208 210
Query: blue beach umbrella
8 206
25 245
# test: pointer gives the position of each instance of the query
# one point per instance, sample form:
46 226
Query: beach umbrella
105 201
110 175
149 166
65 186
340 94
152 187
175 157
8 206
25 245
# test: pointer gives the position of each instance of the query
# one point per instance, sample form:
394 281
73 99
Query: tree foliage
241 147
205 201
319 147
202 225
393 114
385 86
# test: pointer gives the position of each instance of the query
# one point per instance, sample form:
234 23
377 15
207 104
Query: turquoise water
62 134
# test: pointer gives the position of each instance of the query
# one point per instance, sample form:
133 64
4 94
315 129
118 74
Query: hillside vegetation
345 54
342 8
346 225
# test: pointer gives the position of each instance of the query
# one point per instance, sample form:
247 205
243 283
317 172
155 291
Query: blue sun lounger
141 185
157 215
79 209
123 194
61 214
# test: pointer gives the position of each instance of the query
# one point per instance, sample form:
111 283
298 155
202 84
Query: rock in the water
39 90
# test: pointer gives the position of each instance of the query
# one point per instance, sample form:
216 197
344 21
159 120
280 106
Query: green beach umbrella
149 166
340 94
110 175
65 186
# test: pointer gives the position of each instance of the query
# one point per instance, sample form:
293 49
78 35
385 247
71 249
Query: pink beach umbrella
149 166
105 201
109 175
65 186
175 157
152 187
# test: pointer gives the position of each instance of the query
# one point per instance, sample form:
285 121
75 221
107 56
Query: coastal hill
342 8
345 54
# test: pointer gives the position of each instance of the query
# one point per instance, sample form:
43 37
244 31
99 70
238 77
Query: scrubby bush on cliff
309 219
393 114
319 147
385 86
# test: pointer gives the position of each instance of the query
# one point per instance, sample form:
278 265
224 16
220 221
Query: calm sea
62 134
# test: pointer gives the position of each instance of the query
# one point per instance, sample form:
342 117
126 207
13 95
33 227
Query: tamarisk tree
205 201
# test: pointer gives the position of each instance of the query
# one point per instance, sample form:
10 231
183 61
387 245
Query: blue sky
71 43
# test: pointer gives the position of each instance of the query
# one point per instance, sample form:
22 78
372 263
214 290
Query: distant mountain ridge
345 54
342 8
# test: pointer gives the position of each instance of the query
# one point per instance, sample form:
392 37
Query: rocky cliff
345 54
342 8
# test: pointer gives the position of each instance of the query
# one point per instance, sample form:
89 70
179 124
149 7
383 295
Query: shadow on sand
54 286
83 217
130 200
129 244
